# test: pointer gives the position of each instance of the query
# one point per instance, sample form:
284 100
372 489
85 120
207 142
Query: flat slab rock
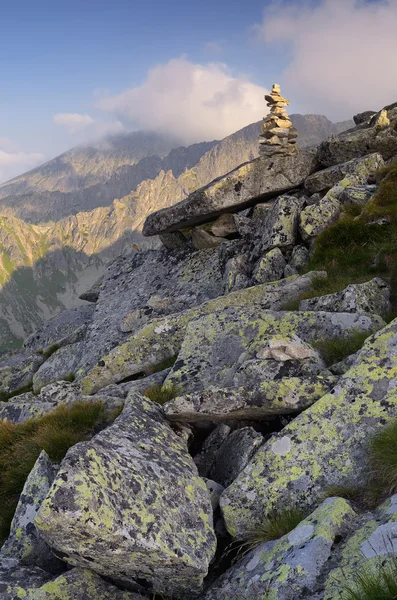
325 446
270 570
162 338
243 187
129 504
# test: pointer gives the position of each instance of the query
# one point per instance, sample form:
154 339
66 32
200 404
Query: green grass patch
55 432
333 350
383 453
162 394
373 583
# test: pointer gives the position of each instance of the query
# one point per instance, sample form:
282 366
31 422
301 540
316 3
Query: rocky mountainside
45 267
220 421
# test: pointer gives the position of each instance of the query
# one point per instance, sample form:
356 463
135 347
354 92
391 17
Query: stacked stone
279 136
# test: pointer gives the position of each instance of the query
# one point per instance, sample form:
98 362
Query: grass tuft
333 350
373 583
55 432
383 453
162 394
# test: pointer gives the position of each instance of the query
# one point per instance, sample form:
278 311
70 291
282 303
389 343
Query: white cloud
343 53
14 163
193 102
73 122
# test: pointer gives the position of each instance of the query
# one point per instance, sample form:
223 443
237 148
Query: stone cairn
279 136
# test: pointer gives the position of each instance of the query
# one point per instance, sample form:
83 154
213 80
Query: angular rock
201 239
205 459
234 455
243 187
270 267
358 195
92 294
325 446
314 219
218 347
236 274
13 576
281 397
380 120
370 297
289 568
364 117
24 543
360 168
215 490
281 225
246 227
173 240
300 258
68 327
62 365
224 226
16 373
162 338
356 143
130 505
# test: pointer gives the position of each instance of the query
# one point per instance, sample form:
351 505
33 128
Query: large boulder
61 365
315 218
289 568
356 143
130 505
24 543
16 373
325 446
245 186
370 297
361 168
270 267
162 338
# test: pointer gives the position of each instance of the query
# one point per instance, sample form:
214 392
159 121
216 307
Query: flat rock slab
327 445
62 365
228 348
282 397
162 338
130 505
243 187
369 297
289 568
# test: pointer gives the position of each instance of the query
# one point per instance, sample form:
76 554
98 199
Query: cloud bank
85 128
193 102
14 161
343 53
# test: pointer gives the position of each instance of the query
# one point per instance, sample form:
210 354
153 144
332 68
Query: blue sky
73 70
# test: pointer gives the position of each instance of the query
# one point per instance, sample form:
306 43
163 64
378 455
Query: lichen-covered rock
24 543
291 567
60 366
315 218
242 187
226 349
16 373
234 455
285 396
356 143
66 328
299 258
373 543
236 274
370 297
201 239
17 580
130 505
76 584
224 226
358 195
205 459
173 240
326 445
280 227
270 267
162 338
361 168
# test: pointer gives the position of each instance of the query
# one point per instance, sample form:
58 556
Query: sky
74 71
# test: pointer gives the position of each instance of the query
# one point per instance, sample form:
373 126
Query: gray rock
300 258
135 491
224 226
356 143
92 294
234 455
361 168
358 195
312 461
236 274
205 459
13 576
273 566
24 543
317 217
370 297
281 225
66 328
246 227
202 240
270 267
364 117
62 365
242 187
289 271
215 490
16 373
173 240
259 214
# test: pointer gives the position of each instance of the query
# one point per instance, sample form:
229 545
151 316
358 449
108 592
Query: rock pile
279 136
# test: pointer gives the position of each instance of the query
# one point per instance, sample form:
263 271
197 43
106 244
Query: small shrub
168 363
373 583
333 350
162 394
55 432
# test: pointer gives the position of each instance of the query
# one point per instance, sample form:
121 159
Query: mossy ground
56 432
